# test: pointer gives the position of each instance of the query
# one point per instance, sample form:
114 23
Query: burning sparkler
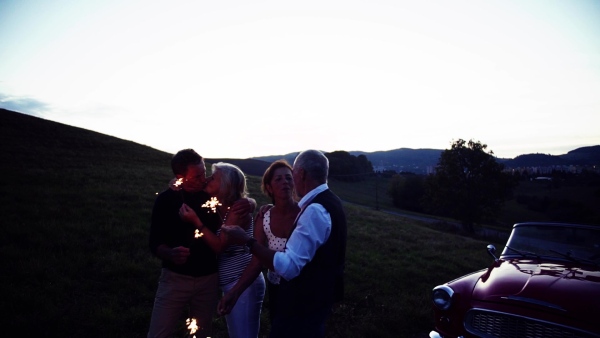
198 234
212 203
191 325
176 184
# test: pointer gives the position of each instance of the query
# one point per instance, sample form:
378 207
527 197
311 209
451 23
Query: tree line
468 185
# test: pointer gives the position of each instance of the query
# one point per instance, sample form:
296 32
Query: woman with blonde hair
274 225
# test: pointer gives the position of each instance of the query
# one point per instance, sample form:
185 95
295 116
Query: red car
545 283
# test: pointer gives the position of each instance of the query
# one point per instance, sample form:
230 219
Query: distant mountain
585 156
249 166
288 157
532 160
419 160
403 159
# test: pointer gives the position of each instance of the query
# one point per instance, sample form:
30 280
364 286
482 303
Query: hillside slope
23 137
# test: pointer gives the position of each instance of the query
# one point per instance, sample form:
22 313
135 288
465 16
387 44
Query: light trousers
175 294
244 319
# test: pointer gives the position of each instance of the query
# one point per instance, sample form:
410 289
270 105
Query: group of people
214 246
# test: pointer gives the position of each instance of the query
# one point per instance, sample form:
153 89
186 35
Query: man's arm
177 255
312 230
158 232
157 226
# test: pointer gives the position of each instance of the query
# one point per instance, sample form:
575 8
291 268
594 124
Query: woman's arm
215 242
249 275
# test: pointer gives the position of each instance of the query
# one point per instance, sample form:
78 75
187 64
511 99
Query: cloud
25 105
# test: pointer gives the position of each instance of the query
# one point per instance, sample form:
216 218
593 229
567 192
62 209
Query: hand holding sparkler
188 214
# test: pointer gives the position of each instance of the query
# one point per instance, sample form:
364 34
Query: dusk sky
237 79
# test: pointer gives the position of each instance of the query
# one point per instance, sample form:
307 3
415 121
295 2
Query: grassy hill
76 206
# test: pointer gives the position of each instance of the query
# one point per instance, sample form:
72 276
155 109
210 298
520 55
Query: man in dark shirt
189 267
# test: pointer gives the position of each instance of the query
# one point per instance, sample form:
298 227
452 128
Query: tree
407 191
346 167
468 184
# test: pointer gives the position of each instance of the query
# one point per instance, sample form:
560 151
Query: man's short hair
314 163
182 159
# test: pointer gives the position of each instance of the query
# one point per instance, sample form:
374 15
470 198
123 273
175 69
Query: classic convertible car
545 283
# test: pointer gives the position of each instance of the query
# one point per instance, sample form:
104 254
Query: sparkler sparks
192 326
198 234
212 203
176 184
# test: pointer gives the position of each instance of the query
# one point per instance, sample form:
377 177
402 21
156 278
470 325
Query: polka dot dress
275 243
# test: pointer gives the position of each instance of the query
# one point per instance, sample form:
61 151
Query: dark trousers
300 326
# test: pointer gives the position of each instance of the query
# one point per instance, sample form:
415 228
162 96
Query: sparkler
198 234
191 325
176 185
212 203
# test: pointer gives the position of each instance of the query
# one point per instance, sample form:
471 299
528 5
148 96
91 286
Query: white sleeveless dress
275 243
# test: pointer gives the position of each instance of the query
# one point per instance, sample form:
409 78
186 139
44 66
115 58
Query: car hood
546 286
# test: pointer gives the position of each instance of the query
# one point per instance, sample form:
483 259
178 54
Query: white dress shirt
312 230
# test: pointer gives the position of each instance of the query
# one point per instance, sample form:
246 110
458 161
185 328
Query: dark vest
320 283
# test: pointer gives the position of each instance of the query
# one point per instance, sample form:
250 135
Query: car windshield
574 243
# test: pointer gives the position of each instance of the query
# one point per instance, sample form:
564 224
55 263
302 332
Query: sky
239 79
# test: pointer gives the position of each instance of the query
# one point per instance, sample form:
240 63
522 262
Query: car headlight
442 297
